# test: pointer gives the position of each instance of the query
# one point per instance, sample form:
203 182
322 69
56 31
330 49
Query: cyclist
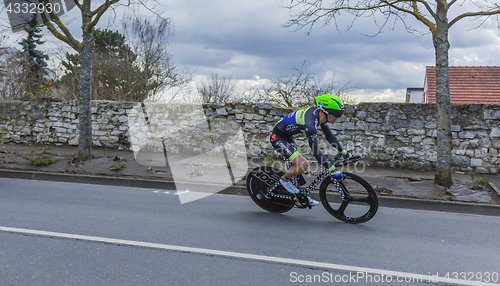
329 108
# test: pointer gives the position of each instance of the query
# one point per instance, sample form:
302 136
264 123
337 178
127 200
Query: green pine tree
115 73
36 59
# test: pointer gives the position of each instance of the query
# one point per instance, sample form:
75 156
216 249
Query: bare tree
217 90
434 15
13 74
149 40
298 89
90 18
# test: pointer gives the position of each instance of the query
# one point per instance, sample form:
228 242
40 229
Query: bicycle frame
307 190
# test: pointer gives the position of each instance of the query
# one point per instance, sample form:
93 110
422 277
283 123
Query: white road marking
176 193
321 265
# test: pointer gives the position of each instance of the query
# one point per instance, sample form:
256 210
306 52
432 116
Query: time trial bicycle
351 200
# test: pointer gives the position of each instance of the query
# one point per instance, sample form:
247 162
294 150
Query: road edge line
221 253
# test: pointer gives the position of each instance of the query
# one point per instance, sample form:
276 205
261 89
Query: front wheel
352 200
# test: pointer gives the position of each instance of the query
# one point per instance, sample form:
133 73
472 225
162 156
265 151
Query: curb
392 202
494 188
440 206
103 180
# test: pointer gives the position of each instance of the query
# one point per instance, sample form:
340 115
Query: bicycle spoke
346 197
351 200
342 208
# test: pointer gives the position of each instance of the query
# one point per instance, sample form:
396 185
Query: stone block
495 132
361 114
481 153
360 125
431 124
114 139
492 114
403 139
476 162
267 106
416 124
221 111
348 125
467 134
413 131
460 160
406 150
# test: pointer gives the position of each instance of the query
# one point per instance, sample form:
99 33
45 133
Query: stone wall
386 134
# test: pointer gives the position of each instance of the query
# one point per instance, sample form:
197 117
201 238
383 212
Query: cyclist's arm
332 139
313 143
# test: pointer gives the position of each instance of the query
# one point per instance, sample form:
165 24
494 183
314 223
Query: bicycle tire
359 192
259 181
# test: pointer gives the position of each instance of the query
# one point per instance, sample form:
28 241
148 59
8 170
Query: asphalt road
106 235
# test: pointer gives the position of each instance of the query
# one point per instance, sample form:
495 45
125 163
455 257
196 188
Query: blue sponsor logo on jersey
290 118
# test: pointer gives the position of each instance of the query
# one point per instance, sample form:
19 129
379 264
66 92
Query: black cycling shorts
284 145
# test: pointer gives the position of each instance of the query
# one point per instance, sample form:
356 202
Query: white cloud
386 95
245 39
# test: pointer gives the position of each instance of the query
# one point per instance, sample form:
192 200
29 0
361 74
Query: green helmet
330 104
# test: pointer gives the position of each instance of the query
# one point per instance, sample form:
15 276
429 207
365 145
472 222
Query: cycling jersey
306 121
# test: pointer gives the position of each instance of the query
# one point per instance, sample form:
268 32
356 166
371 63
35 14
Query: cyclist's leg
299 166
286 146
299 163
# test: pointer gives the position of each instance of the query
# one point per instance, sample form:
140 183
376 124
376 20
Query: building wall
415 95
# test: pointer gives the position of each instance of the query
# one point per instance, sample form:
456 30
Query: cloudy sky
246 40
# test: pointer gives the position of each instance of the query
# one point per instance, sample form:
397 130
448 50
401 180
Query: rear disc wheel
259 181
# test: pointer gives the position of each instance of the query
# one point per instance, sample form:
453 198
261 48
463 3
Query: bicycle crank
302 201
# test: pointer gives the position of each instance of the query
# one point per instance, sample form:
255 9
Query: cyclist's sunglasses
335 112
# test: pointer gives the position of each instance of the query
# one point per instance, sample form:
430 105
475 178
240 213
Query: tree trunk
441 44
85 118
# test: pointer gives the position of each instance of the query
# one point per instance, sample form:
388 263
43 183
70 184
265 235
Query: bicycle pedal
302 201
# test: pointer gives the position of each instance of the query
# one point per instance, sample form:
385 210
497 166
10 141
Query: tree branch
414 11
474 14
313 11
100 11
78 4
66 36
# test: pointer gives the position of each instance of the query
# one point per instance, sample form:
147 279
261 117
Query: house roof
467 84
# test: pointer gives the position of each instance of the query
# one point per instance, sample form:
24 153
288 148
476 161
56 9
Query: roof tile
467 84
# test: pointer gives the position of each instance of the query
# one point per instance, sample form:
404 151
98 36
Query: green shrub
39 161
118 167
483 181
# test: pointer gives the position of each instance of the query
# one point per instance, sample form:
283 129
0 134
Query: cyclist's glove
347 156
337 175
338 156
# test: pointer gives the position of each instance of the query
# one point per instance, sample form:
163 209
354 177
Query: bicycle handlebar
341 161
